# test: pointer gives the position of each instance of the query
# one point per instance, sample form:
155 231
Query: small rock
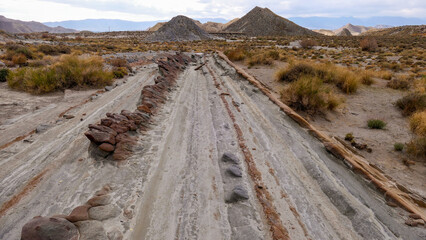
99 200
235 171
107 147
91 230
103 212
45 228
229 157
115 234
415 216
79 213
128 213
238 193
414 222
93 97
109 88
42 128
68 116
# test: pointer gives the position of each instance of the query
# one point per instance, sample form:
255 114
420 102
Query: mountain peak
179 28
263 22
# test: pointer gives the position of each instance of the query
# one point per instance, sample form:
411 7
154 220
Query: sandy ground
370 102
175 185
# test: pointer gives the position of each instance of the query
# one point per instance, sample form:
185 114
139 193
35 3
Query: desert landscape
255 127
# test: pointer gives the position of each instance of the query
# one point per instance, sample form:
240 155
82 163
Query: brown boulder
103 129
144 108
79 213
99 200
99 137
119 128
107 147
45 228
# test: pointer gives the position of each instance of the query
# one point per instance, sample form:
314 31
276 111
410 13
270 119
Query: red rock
45 228
99 137
119 128
103 129
107 121
107 147
123 150
144 108
80 213
99 200
415 216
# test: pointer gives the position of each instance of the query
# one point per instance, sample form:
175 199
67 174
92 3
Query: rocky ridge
114 133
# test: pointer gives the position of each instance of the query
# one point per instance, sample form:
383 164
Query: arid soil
370 102
219 161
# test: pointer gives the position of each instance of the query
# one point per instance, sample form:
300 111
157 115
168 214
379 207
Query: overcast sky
147 10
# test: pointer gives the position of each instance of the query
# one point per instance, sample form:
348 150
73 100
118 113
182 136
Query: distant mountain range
16 26
105 25
335 23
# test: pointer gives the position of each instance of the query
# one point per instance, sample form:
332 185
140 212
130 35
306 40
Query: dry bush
308 43
412 103
19 59
236 54
401 82
341 77
369 44
294 72
70 71
310 94
366 77
118 63
418 123
383 74
258 59
54 50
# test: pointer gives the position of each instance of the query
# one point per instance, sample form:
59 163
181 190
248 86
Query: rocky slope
264 22
355 30
180 28
344 33
413 30
16 26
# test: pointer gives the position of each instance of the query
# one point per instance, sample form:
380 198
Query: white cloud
142 10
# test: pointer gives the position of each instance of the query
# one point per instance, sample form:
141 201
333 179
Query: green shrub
4 72
376 124
349 136
120 72
398 147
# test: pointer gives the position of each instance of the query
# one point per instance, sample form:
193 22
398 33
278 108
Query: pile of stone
84 222
114 133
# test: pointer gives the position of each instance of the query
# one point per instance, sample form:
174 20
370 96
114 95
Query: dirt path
176 185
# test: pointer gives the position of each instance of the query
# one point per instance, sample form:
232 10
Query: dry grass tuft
341 77
310 94
71 71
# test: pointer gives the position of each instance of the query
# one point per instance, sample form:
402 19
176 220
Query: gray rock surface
234 171
229 157
238 193
49 228
91 230
103 212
